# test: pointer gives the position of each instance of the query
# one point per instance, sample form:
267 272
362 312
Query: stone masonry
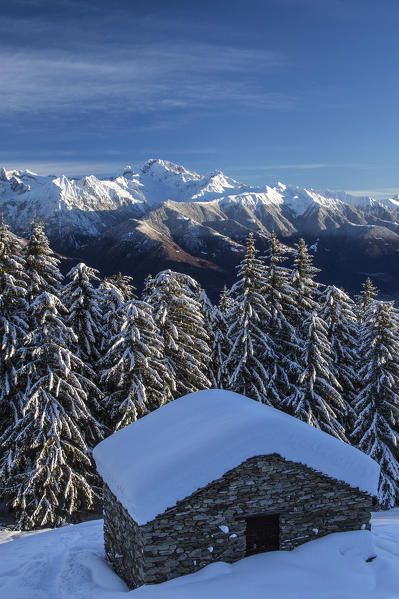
210 524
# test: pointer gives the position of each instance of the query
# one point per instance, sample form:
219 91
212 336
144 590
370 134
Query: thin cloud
379 194
164 77
70 169
317 165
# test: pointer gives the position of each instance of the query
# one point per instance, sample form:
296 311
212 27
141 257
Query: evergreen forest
82 357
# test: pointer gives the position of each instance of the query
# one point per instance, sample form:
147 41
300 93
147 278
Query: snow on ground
194 440
68 563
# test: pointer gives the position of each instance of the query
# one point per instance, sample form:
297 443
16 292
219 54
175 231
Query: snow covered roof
166 456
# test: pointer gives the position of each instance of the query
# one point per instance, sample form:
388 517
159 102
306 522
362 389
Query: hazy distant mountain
158 214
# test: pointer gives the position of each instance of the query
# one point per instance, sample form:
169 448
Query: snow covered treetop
169 454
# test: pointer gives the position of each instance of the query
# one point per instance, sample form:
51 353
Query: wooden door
263 533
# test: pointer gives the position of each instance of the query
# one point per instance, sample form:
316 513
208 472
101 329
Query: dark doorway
263 533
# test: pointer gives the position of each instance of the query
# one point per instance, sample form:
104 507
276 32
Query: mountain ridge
164 215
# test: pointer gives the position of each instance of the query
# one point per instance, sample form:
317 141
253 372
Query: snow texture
181 447
69 563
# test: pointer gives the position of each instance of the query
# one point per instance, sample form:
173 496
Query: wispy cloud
164 78
68 168
381 193
317 165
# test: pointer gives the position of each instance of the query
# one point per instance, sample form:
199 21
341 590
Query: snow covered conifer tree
41 264
377 427
210 324
304 285
252 350
367 296
177 313
220 350
225 301
220 343
114 291
148 287
317 398
13 325
124 285
279 295
216 328
112 300
84 302
46 465
305 306
134 373
338 311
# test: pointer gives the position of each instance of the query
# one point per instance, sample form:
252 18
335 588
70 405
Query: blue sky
302 91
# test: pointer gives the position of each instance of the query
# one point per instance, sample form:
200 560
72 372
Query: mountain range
157 215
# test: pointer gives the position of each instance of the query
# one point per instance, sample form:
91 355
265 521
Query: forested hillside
82 357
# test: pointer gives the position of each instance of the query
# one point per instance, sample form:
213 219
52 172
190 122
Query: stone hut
215 476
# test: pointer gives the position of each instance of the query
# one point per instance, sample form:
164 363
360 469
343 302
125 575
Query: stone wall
123 541
210 524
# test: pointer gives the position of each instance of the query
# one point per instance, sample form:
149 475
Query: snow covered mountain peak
79 208
163 168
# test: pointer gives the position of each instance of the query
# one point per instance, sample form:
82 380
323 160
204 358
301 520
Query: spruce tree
377 407
338 311
112 299
304 285
13 324
84 302
134 373
220 350
221 345
279 296
248 364
124 284
46 465
178 315
148 287
366 297
41 265
305 305
225 301
210 316
114 291
317 397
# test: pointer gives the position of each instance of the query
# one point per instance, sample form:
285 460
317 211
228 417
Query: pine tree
317 399
112 317
124 284
41 265
303 283
84 302
279 296
177 314
114 291
225 301
134 371
338 311
220 350
221 345
304 295
377 427
252 351
148 287
210 316
13 324
46 464
366 297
